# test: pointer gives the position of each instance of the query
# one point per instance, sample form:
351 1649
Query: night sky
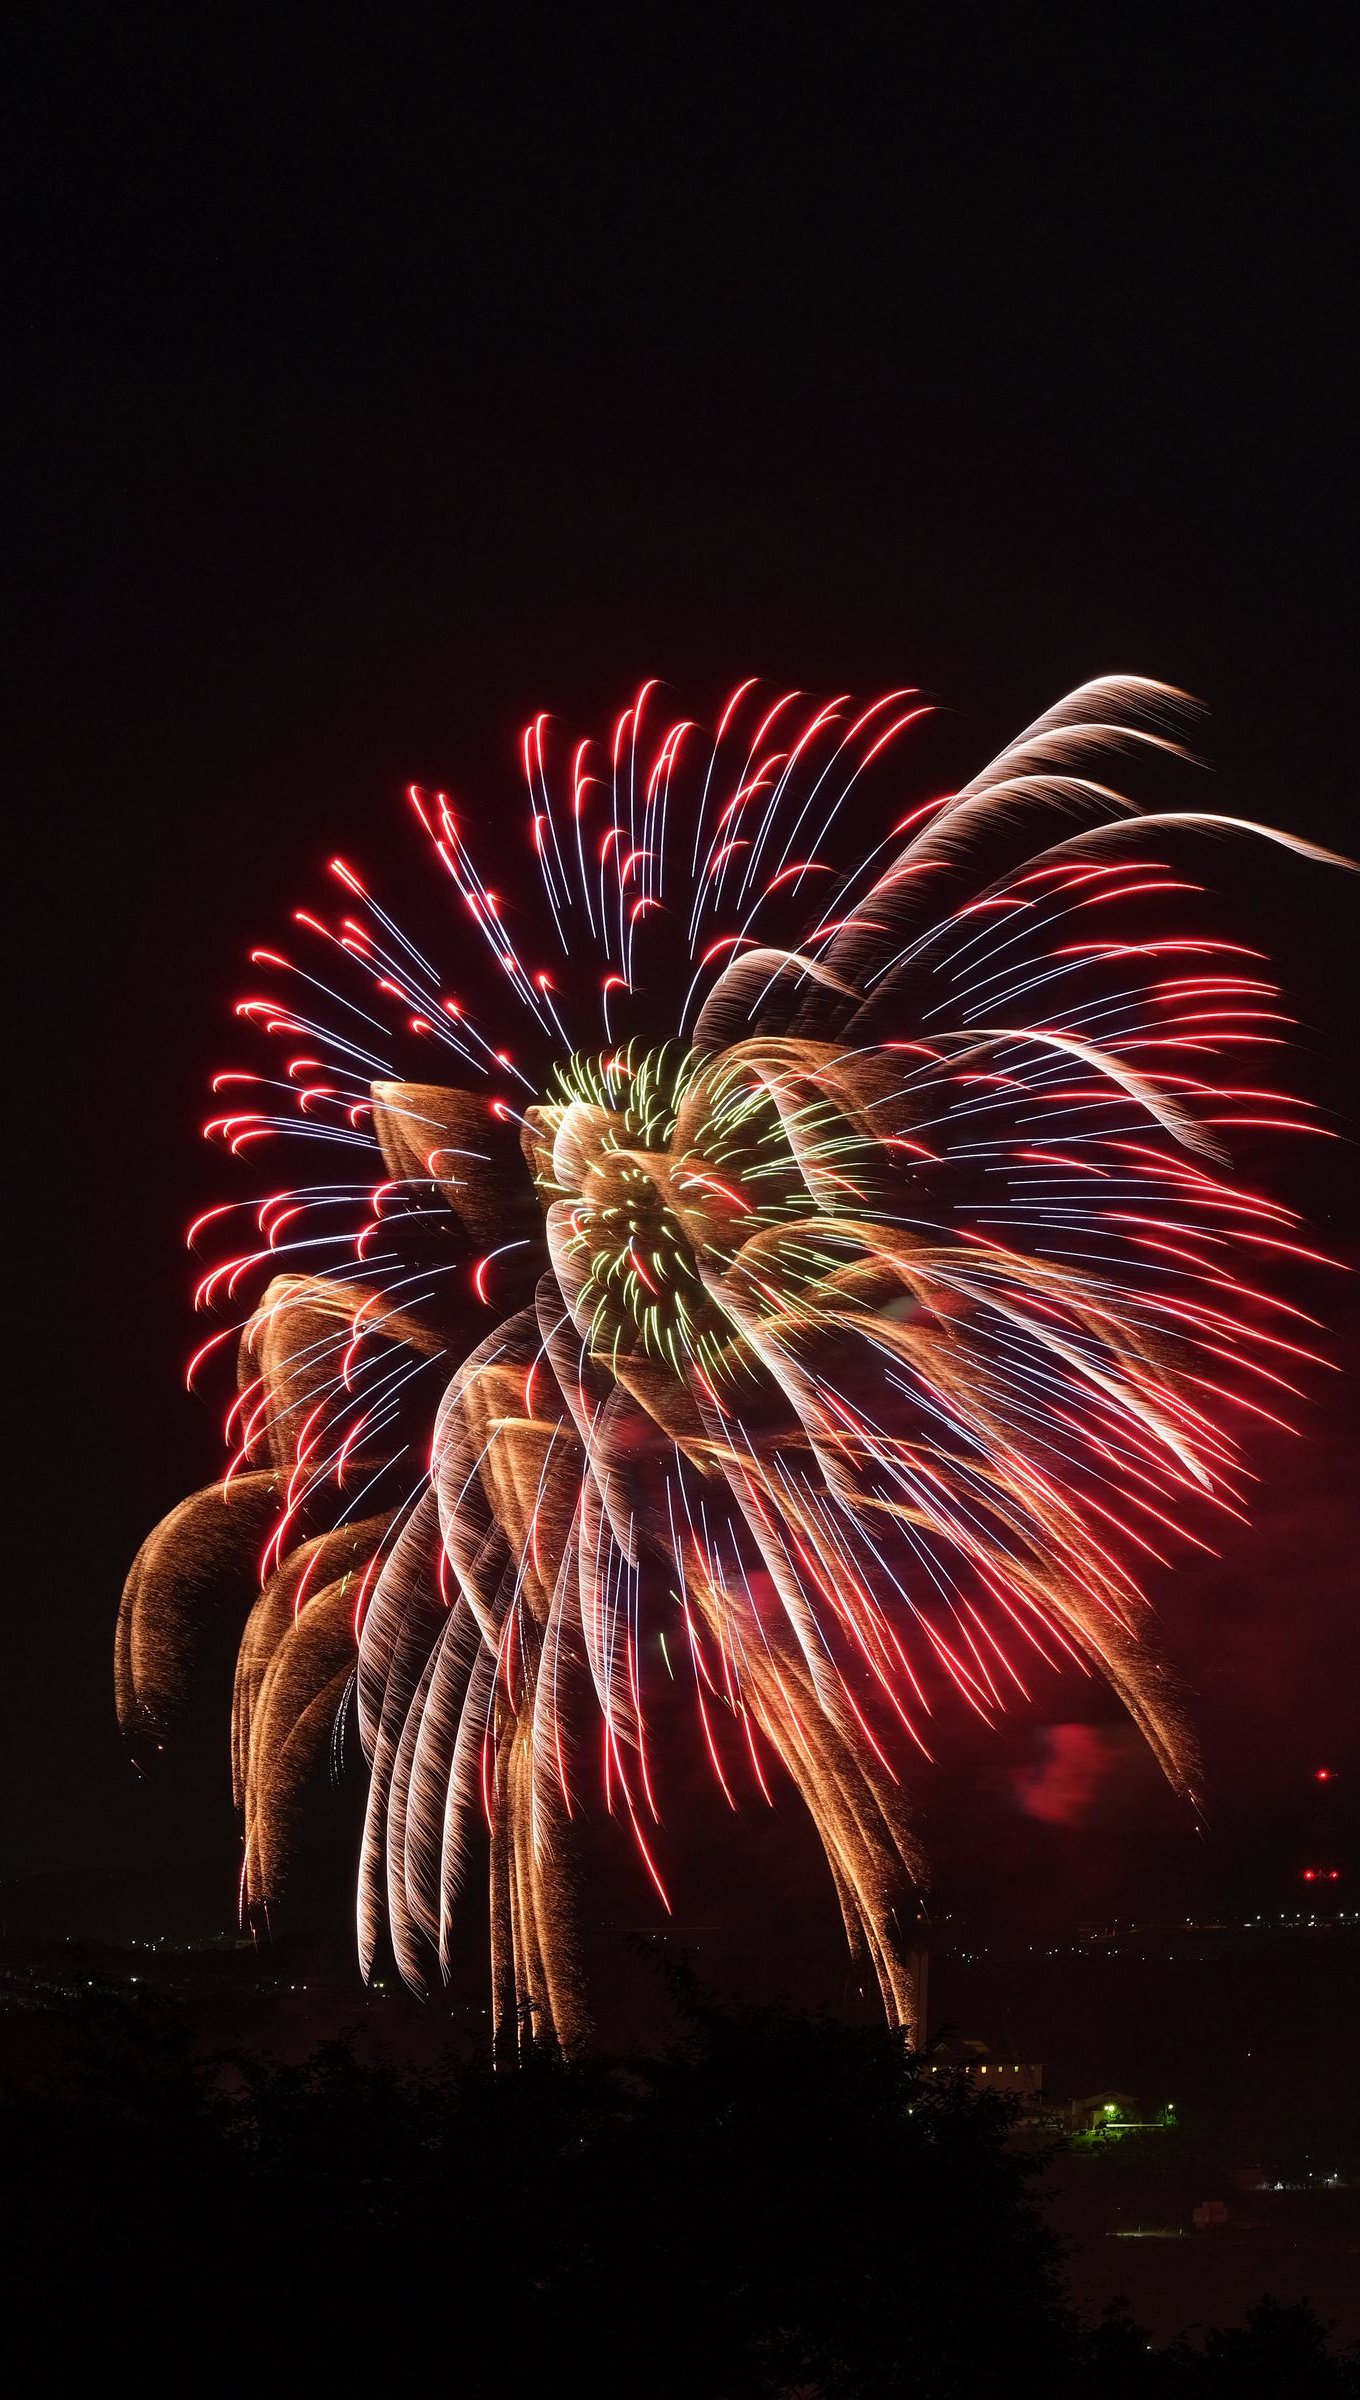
376 388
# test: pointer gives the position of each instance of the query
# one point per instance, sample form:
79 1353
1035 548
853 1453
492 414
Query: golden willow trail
800 1278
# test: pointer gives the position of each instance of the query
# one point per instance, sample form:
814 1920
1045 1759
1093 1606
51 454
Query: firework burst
848 1191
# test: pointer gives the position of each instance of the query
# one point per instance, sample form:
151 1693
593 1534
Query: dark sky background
376 386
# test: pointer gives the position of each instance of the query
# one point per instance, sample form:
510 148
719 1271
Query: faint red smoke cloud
1074 1762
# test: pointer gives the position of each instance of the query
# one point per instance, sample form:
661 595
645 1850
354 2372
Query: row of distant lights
1343 1917
1248 1924
968 2069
